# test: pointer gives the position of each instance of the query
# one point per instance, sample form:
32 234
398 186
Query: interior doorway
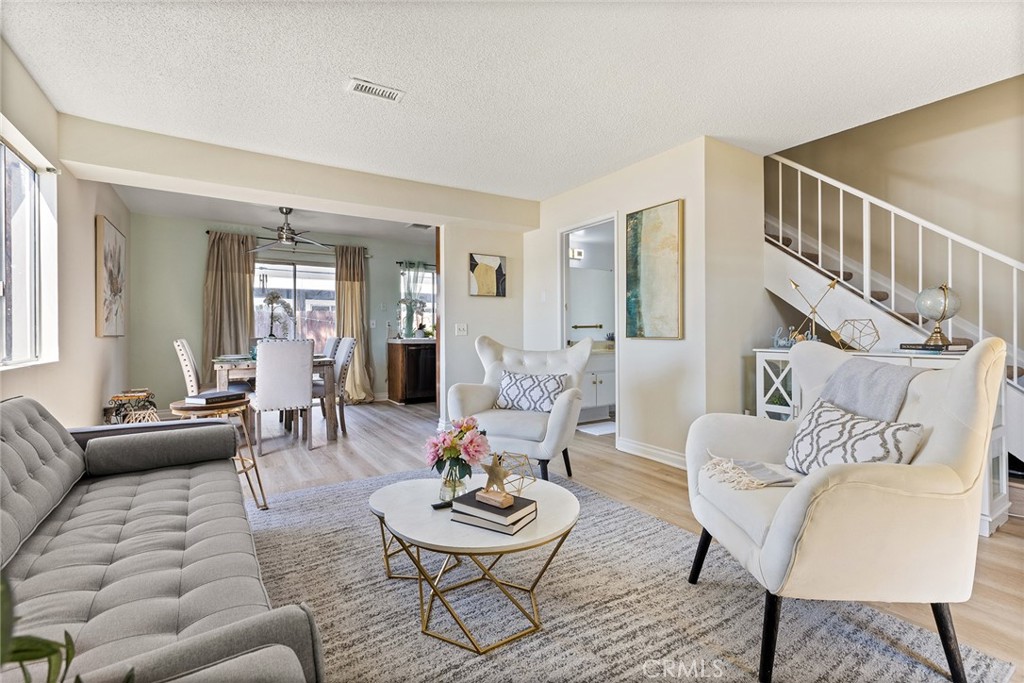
588 282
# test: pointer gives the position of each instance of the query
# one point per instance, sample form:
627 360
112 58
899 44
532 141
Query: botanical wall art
654 272
111 279
486 275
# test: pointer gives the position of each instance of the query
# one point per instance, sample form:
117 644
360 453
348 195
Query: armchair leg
944 622
698 558
770 634
565 457
543 469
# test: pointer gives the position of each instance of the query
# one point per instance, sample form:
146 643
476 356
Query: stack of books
934 348
466 509
213 397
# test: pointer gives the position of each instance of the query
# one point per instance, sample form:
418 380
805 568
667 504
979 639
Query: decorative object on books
937 304
111 279
857 334
654 272
279 310
453 452
486 275
496 496
520 472
214 397
813 316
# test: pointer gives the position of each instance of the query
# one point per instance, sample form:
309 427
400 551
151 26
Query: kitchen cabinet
412 370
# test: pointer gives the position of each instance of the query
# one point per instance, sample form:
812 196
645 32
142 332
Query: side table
227 410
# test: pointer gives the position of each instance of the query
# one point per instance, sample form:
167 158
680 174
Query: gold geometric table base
436 592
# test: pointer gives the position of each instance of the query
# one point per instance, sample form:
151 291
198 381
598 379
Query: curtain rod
428 265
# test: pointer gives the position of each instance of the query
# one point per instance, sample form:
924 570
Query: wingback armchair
540 435
857 531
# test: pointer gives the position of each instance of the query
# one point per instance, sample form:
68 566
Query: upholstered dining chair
191 372
331 346
863 531
529 401
342 360
284 381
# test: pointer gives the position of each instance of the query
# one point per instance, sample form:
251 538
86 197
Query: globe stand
937 338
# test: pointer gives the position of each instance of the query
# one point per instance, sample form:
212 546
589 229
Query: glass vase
452 486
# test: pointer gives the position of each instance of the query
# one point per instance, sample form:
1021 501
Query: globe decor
938 304
453 452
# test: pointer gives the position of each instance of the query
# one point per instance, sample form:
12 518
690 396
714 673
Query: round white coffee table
405 515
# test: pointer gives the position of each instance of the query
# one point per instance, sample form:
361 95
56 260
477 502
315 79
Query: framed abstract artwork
654 272
111 279
486 275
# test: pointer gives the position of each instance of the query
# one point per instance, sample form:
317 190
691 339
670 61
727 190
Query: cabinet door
588 385
605 394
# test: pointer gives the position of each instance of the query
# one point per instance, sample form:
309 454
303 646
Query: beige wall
169 255
90 369
958 162
664 385
500 318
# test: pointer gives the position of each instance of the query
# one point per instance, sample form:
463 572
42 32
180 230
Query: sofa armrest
291 627
469 399
163 448
83 435
270 664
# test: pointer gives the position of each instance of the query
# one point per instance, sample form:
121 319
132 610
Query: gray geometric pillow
529 392
829 435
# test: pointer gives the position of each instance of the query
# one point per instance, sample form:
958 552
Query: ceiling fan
287 236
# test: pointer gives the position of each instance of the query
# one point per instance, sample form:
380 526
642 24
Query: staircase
883 256
819 230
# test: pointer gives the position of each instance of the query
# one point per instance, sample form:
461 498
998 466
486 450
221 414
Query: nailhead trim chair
284 381
342 360
191 372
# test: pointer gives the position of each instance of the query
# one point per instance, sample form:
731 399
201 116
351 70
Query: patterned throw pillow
529 392
829 435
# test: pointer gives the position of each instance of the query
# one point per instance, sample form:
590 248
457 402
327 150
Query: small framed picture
486 275
111 279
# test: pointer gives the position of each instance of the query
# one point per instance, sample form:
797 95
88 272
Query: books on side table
466 509
212 397
934 348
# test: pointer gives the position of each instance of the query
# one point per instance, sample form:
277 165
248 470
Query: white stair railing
832 233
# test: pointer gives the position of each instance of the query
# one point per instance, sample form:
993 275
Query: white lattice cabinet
778 398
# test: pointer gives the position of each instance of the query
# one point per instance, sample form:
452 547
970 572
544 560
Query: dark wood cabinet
412 372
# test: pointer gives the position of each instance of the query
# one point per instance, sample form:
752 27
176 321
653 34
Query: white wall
496 317
170 259
663 385
90 369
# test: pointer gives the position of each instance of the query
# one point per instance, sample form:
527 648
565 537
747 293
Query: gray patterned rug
615 606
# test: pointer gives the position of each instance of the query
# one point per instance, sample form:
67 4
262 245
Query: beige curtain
350 283
227 297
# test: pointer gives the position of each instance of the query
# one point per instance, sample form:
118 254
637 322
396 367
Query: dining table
240 367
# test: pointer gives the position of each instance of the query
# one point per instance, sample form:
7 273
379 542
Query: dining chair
342 360
284 380
191 372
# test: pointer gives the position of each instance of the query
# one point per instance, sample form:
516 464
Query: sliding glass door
307 290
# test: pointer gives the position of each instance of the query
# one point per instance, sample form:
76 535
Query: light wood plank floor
385 438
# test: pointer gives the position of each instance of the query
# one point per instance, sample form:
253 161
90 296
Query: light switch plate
373 323
461 329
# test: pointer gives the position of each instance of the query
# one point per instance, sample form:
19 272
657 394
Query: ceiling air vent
358 85
419 226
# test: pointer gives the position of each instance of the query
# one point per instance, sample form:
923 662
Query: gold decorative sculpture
860 335
813 316
520 471
496 496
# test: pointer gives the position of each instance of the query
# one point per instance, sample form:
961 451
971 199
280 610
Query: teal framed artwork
654 272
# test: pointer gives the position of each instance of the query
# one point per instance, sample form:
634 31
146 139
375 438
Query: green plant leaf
31 648
53 669
69 654
439 466
130 676
6 618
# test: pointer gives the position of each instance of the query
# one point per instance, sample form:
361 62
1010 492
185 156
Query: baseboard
662 455
380 396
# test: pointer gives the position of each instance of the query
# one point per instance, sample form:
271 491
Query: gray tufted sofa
138 545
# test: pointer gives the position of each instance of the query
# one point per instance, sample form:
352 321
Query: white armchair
857 531
541 436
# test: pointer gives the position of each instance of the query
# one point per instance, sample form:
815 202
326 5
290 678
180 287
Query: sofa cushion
521 424
132 562
828 435
40 462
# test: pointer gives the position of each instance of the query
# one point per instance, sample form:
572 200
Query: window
28 263
308 296
418 287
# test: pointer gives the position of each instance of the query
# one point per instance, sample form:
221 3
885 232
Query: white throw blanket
869 388
745 475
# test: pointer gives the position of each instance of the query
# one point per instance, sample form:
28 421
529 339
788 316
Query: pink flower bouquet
458 448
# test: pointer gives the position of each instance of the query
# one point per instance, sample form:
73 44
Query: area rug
615 606
597 428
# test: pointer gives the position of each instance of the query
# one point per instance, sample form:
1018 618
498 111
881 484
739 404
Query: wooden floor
385 438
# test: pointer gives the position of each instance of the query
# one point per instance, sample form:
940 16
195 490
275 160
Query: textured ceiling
525 100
